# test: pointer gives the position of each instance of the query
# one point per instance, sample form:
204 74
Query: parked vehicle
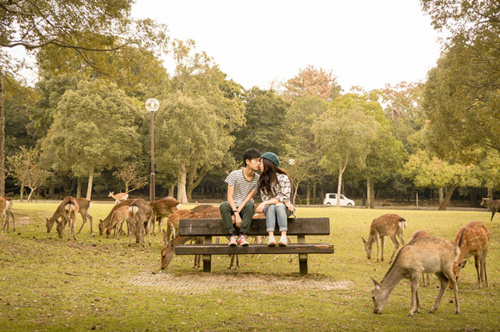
331 199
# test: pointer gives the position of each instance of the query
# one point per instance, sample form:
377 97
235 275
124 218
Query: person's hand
290 207
260 208
238 220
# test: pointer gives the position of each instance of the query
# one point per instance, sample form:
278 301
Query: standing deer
118 197
390 225
493 206
473 240
6 213
84 206
103 224
141 217
118 217
67 210
423 255
164 208
416 235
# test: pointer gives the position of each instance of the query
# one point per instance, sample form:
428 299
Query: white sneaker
271 242
232 241
283 241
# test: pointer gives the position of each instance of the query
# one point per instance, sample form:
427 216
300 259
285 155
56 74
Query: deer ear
375 283
462 264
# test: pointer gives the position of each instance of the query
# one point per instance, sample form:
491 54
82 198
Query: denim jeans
276 212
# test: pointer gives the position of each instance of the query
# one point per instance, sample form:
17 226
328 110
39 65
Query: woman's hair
269 175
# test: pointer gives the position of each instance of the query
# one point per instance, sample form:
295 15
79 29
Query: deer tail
133 209
402 224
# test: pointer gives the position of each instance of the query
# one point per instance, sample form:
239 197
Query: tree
431 172
129 173
27 167
344 134
95 127
312 82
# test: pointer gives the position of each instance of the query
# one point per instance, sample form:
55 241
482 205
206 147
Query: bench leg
303 263
207 263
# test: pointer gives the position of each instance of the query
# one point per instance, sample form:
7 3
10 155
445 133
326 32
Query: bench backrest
213 227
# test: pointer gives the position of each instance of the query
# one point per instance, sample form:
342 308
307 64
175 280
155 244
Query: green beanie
271 157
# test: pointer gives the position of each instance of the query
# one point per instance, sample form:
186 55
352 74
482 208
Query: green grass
57 285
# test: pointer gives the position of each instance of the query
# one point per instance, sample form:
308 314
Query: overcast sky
366 43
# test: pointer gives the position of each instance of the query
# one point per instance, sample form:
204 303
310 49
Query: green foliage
95 127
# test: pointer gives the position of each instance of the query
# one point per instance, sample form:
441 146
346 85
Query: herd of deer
423 254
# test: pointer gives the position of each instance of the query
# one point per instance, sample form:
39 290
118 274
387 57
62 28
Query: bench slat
224 249
213 227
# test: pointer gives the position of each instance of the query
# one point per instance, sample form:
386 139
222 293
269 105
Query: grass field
50 284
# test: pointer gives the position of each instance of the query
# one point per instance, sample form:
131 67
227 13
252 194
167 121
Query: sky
366 43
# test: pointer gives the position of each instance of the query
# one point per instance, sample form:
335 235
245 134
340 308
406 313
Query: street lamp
291 162
152 105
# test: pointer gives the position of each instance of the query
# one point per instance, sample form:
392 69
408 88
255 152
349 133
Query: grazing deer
84 206
390 225
120 197
6 213
119 216
416 235
67 210
103 224
164 208
422 255
493 206
473 240
141 217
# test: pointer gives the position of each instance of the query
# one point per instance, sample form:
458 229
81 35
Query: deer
141 216
492 205
416 235
103 224
164 208
120 197
423 255
84 206
119 216
6 213
473 240
391 225
67 210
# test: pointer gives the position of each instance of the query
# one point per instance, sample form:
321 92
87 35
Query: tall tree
95 127
312 82
344 134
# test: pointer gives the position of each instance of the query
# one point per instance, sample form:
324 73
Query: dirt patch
208 282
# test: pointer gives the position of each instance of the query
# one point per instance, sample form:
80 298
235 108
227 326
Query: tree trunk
441 195
308 194
490 193
447 198
79 187
191 183
370 194
181 185
314 192
171 190
21 192
339 189
89 187
30 196
2 136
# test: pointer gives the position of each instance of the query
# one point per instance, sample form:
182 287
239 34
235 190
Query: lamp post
152 105
291 162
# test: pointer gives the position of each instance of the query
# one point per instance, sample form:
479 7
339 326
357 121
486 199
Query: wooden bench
210 227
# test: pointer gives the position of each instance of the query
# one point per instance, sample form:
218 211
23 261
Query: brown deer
422 255
493 206
141 217
119 216
103 224
84 206
473 240
390 225
164 208
120 197
67 210
6 213
416 235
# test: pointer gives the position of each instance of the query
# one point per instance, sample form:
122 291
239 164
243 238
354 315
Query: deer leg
483 270
396 246
478 270
377 238
492 214
415 299
83 223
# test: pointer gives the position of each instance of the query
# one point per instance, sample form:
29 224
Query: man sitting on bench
241 188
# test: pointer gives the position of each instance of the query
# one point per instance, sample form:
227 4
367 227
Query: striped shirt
242 187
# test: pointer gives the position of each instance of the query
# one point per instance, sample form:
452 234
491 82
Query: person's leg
246 217
270 213
226 213
282 222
